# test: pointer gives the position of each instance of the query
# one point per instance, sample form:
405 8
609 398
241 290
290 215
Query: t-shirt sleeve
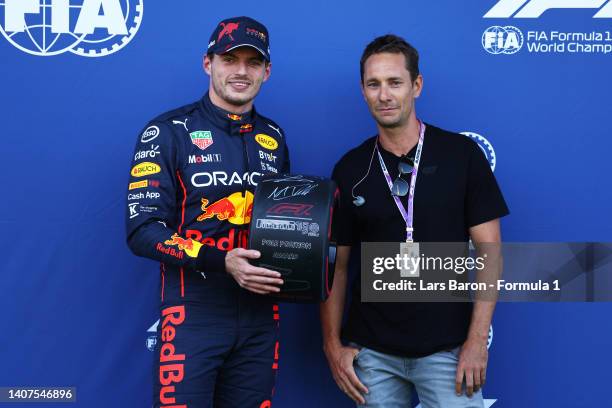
343 224
484 199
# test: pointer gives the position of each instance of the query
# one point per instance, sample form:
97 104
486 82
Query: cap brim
265 55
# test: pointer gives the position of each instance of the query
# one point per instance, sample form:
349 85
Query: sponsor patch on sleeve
191 247
139 184
149 134
145 169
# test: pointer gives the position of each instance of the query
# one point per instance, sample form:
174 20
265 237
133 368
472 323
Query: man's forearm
482 315
484 305
332 309
487 240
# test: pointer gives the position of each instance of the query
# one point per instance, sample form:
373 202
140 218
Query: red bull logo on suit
236 208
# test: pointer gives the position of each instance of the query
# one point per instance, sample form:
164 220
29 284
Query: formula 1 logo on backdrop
535 8
89 28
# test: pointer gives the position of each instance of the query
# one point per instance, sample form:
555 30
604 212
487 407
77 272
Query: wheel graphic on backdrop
485 146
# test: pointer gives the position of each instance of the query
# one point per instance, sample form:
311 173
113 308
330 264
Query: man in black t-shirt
386 350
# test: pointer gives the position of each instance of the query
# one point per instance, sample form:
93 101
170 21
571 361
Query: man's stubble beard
399 122
220 91
387 125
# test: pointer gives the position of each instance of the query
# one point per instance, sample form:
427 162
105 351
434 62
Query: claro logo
535 8
145 169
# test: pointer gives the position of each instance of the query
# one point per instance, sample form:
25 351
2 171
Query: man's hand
249 277
340 361
472 365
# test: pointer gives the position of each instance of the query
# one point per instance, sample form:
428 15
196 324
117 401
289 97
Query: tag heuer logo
201 138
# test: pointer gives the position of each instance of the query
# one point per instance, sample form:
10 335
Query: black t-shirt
455 190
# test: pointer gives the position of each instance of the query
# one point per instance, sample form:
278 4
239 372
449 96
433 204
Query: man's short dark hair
396 45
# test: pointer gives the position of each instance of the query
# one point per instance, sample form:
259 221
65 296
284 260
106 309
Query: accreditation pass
409 260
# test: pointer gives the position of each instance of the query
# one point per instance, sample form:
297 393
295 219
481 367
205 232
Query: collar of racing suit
232 123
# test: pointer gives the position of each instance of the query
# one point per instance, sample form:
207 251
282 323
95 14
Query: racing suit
190 200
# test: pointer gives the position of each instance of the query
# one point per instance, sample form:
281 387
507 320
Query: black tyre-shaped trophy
291 225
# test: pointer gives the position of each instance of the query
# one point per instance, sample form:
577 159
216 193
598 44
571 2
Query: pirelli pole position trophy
291 227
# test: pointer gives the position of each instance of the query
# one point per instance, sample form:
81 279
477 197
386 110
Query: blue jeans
391 380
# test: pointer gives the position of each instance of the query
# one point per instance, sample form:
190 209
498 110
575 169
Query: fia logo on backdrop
558 39
502 40
89 28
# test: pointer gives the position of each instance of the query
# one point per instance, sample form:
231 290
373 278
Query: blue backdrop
77 305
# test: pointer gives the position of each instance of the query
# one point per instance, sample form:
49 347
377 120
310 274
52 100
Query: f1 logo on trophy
291 226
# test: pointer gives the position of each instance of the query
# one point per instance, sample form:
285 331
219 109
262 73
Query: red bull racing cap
239 32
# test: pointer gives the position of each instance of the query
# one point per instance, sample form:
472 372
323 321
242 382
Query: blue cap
237 32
